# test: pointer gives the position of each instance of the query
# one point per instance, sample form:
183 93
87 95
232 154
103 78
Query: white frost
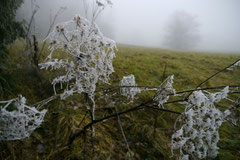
164 90
85 59
198 136
131 89
18 120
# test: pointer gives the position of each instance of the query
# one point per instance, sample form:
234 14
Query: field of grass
148 131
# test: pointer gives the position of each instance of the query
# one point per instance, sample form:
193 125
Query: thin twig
31 21
38 105
50 28
28 40
164 70
47 100
155 124
123 134
138 107
72 138
153 88
91 112
213 76
118 87
83 119
207 88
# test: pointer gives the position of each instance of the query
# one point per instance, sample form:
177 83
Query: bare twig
118 87
50 28
123 134
214 76
155 124
38 105
28 40
138 107
72 138
207 88
164 70
45 101
83 119
155 88
86 7
35 53
91 112
31 20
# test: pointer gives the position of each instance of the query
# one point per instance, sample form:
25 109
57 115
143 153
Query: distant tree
182 31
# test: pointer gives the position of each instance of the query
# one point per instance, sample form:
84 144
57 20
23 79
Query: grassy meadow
148 131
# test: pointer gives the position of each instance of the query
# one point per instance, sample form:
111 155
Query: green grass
189 68
147 64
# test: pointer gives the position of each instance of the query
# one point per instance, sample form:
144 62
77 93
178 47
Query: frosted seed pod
163 92
86 62
205 119
128 91
20 121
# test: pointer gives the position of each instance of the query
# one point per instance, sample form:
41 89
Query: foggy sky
143 22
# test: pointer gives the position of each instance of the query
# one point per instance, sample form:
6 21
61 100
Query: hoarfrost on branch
164 90
130 90
198 137
18 120
82 53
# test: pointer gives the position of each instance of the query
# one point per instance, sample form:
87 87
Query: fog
143 22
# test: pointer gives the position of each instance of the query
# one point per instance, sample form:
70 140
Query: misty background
143 22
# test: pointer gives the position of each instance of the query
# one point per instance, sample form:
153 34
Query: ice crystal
132 90
86 58
18 120
164 90
198 136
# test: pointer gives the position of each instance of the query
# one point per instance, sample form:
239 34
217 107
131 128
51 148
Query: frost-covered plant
132 90
18 120
164 90
198 136
87 58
